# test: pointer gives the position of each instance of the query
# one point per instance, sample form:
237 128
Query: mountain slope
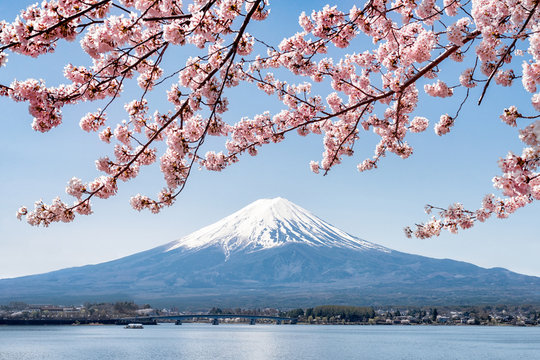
273 252
270 223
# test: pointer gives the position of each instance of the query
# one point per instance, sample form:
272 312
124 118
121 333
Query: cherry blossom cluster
122 43
444 125
439 89
519 183
36 30
377 89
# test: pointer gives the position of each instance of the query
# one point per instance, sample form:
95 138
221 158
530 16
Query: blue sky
374 205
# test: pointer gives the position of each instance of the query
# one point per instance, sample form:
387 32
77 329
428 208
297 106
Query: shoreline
119 322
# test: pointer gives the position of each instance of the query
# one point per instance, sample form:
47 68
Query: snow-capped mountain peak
270 223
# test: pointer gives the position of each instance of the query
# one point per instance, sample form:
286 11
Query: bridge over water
214 317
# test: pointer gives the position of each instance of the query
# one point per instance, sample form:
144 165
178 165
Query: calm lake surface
236 342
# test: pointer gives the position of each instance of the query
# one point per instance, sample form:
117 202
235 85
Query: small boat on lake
134 326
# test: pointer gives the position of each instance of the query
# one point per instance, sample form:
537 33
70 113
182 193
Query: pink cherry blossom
439 89
93 121
419 124
510 115
376 89
444 125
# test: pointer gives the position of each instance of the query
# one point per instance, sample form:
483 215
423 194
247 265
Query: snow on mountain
274 253
270 223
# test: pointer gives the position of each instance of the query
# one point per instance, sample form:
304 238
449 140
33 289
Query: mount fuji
274 253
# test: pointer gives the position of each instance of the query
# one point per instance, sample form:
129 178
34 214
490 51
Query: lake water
237 342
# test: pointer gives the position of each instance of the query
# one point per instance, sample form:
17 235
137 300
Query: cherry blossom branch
230 55
412 79
335 157
508 51
380 87
59 24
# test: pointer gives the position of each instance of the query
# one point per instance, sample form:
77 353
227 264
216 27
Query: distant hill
274 253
